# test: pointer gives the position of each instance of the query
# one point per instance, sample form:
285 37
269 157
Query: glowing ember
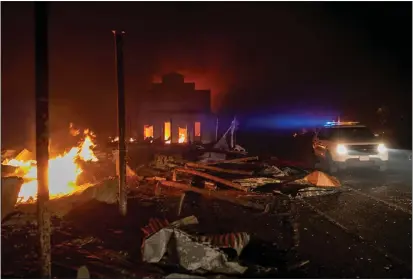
73 131
117 139
63 171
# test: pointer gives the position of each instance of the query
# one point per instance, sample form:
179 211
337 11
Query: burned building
176 112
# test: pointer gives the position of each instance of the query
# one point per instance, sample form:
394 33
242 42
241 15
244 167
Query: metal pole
232 133
121 121
42 134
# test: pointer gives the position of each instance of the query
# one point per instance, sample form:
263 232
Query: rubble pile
241 218
184 247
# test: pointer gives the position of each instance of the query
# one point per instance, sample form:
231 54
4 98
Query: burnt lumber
216 169
105 191
212 194
237 160
211 177
10 188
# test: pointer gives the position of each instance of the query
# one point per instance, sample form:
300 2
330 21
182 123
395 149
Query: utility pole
121 121
42 134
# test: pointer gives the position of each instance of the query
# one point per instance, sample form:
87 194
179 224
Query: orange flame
182 134
63 171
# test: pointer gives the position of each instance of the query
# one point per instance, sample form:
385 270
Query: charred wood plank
237 160
212 194
213 178
206 167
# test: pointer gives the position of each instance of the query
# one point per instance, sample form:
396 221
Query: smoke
206 61
204 80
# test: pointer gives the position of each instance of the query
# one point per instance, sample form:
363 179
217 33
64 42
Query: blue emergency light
338 123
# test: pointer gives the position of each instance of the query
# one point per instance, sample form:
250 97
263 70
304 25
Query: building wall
174 94
176 101
208 122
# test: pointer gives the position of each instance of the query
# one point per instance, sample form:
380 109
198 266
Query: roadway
367 230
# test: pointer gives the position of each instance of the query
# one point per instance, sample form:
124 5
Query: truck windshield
359 133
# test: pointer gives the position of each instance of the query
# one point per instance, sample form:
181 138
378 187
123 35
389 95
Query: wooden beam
213 178
238 160
212 194
206 167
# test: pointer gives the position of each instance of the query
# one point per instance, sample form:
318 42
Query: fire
86 152
181 138
167 132
73 131
63 171
182 134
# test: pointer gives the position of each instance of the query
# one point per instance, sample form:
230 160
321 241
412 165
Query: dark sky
348 56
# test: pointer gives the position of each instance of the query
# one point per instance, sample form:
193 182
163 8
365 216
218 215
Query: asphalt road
367 229
364 232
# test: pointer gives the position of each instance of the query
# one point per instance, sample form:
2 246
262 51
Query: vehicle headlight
341 149
381 148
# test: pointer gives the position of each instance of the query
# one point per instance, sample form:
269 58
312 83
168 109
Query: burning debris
64 169
247 184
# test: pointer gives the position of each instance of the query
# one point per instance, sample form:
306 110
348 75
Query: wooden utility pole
42 134
121 121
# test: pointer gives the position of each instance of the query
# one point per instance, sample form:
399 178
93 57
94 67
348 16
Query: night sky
349 57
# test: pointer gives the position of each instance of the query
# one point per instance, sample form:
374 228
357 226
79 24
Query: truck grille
368 149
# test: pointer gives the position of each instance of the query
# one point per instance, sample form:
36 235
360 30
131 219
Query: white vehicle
339 145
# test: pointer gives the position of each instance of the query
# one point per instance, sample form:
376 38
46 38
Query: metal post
232 133
121 121
42 134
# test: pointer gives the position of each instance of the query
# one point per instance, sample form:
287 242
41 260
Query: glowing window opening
167 132
197 129
148 131
183 133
